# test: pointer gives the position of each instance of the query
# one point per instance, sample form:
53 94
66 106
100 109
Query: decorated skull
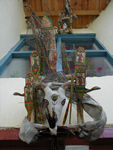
54 100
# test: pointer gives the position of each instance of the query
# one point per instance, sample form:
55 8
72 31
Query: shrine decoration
65 19
28 97
35 64
29 78
45 98
51 44
64 56
80 76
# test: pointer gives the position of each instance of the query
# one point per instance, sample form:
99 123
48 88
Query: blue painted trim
92 53
15 53
5 61
95 53
81 41
100 45
88 51
22 54
78 35
59 56
82 35
109 57
8 57
26 36
19 45
68 51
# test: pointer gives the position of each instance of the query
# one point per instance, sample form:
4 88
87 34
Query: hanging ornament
46 22
63 48
48 25
80 71
35 64
29 77
80 75
28 97
38 109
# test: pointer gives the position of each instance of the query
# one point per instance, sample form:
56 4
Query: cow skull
54 101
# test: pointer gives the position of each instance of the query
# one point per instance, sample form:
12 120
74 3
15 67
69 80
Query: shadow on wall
103 27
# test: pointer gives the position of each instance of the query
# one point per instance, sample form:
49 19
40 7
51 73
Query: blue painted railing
8 57
79 38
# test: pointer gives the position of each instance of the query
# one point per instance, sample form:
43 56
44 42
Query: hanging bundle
80 71
80 75
51 43
29 78
35 64
28 97
32 101
65 59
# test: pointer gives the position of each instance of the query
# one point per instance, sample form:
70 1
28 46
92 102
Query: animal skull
54 100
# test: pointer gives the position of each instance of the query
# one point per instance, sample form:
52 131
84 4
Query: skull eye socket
46 102
63 102
54 97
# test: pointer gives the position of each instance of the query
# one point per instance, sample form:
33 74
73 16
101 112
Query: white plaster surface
12 23
103 27
84 30
12 109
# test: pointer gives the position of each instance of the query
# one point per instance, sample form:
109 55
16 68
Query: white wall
12 109
12 23
103 27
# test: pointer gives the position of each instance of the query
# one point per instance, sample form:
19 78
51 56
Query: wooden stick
80 118
71 96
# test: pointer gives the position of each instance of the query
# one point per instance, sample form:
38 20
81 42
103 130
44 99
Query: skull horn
18 94
69 76
66 85
39 85
92 89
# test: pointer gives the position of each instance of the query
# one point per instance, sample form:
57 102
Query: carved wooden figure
28 97
65 19
80 75
29 78
48 25
35 64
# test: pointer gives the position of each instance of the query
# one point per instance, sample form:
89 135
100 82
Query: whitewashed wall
103 27
12 109
12 23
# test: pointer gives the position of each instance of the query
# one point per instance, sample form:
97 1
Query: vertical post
59 55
